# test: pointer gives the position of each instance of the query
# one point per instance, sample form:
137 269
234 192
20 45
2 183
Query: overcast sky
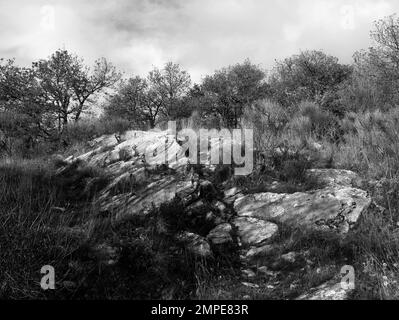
201 35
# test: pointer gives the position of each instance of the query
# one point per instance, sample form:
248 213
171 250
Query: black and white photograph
217 153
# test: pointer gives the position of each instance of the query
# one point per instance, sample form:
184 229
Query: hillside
146 220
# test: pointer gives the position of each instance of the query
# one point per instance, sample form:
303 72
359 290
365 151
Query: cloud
201 35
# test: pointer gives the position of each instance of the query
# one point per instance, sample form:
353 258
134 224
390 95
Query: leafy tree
169 85
161 94
23 111
68 84
375 80
135 101
232 89
306 76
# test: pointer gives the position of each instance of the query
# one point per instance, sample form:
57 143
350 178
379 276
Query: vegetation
311 111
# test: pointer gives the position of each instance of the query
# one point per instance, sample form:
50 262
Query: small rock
220 206
195 244
254 252
248 273
231 192
246 297
289 257
254 231
221 234
250 285
266 271
212 218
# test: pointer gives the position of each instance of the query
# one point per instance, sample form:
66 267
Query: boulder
195 244
253 231
221 234
332 208
127 160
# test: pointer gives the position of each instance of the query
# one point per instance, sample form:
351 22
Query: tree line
41 102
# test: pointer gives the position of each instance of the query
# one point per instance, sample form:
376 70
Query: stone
221 234
195 244
332 208
248 273
255 252
198 208
250 285
315 146
264 270
145 150
220 206
232 192
331 290
212 218
253 231
289 257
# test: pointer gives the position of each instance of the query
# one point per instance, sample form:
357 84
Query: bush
323 123
86 130
371 144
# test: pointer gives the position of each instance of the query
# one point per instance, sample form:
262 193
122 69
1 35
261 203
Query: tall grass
31 234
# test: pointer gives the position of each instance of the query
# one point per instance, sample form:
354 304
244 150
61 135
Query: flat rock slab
335 208
253 231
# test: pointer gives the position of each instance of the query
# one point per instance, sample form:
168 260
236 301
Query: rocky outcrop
145 168
148 169
337 206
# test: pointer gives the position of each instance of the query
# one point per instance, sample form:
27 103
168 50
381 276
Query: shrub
323 123
32 226
86 130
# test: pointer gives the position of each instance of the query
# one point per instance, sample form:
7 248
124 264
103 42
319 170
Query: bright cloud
201 35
